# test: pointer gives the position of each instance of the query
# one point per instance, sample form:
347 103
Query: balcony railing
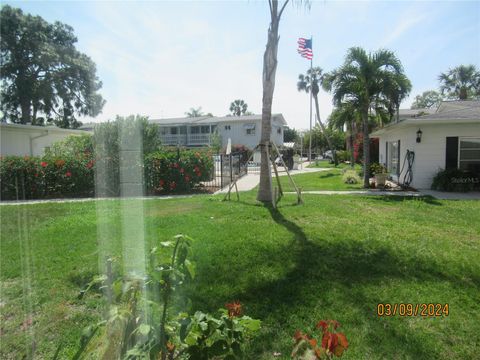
185 139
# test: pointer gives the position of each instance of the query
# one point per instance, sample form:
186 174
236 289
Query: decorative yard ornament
228 151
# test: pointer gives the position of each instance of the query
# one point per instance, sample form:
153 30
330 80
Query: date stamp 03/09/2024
410 309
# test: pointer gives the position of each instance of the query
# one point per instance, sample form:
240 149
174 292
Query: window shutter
451 155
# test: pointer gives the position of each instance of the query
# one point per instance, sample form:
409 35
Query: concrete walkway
249 181
362 192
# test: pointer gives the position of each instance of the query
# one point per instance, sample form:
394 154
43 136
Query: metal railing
185 139
226 169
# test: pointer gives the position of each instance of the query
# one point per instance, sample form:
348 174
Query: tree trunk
329 142
350 140
265 193
366 150
26 110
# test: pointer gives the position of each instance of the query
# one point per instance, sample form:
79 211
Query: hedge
53 176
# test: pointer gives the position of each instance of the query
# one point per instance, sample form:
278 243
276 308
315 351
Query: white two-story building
199 131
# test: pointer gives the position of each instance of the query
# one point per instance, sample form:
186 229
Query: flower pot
380 180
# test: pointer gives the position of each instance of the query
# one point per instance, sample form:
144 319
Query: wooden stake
299 196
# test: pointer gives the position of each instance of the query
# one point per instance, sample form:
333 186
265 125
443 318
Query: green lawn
335 257
319 180
327 164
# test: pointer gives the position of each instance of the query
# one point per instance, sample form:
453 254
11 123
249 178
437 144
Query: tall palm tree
195 112
238 107
461 83
311 81
265 193
370 81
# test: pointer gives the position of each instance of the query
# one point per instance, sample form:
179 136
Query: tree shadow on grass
332 273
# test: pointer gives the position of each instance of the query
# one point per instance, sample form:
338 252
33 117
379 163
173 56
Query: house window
173 130
393 157
195 130
279 131
250 129
227 127
205 129
469 154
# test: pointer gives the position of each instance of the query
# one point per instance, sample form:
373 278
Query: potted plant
381 174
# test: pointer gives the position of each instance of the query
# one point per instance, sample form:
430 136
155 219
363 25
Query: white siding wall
239 135
17 141
430 153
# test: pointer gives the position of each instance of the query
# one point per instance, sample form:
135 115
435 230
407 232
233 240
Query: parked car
328 155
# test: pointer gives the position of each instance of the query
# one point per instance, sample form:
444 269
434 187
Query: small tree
428 99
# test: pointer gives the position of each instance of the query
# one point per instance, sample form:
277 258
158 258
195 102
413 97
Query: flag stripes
305 48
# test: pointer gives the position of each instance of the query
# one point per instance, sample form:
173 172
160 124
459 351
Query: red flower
175 165
44 164
90 164
182 170
161 182
196 169
199 174
173 185
234 309
187 178
36 175
68 174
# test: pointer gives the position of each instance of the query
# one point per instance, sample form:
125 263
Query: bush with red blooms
32 177
332 343
177 171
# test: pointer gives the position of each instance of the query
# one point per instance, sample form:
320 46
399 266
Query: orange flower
234 309
59 163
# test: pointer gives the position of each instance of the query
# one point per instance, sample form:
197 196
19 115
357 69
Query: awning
249 126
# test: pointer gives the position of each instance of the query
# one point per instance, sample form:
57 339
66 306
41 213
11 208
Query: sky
160 58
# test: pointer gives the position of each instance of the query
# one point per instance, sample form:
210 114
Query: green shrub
177 171
455 180
351 177
343 155
25 177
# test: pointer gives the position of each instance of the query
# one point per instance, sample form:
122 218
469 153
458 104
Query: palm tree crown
311 81
238 107
461 83
195 112
371 81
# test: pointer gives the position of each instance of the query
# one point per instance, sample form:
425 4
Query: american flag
305 48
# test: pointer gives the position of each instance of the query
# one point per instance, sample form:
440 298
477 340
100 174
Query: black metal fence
226 169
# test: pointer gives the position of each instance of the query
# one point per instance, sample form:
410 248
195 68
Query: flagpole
310 145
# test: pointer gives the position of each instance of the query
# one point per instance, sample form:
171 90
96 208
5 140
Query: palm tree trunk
329 142
265 193
350 145
366 150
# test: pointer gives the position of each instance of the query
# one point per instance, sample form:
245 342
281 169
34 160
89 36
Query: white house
198 131
446 138
18 139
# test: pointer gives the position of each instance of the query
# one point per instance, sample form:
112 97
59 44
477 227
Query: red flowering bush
24 177
176 171
332 343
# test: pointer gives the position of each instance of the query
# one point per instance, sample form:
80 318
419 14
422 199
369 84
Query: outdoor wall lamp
419 136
